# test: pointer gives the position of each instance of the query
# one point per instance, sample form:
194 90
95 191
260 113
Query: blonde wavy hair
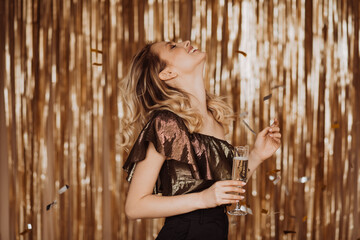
143 93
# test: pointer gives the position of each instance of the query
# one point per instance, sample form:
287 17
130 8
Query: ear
167 74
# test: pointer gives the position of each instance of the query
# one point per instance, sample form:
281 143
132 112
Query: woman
180 151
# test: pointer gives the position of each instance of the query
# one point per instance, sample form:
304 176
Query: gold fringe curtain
60 64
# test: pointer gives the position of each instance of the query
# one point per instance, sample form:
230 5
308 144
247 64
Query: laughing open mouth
192 49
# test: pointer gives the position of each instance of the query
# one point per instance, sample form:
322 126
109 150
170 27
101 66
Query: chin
203 55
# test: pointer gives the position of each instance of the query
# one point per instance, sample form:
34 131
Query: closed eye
172 46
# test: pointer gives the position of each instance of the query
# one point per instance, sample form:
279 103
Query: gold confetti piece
63 189
277 86
272 172
304 179
241 52
273 176
25 231
264 211
29 227
50 205
304 218
97 64
247 125
335 125
96 50
278 178
288 231
246 208
249 211
268 97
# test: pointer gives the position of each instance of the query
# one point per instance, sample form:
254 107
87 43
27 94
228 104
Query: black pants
209 224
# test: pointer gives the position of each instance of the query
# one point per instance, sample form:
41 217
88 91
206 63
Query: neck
193 84
196 88
198 97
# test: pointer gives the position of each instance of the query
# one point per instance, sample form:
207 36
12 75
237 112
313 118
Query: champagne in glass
239 172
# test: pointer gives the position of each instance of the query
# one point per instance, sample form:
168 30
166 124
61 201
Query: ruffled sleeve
170 137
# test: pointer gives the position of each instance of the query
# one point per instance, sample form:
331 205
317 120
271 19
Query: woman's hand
267 141
222 192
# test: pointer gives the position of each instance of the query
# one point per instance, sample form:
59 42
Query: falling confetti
304 219
304 179
28 229
96 50
267 97
273 176
288 231
335 125
247 209
50 205
241 52
272 172
278 178
97 64
63 189
264 211
277 86
247 125
25 231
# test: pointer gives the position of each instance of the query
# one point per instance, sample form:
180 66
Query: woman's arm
141 203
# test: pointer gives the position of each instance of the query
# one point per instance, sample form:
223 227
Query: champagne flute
239 172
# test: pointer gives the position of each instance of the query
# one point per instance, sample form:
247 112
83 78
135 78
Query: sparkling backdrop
60 64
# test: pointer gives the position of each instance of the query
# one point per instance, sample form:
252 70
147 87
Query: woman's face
181 57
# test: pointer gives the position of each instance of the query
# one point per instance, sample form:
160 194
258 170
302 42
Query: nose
186 43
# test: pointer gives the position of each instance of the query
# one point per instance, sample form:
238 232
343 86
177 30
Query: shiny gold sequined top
194 161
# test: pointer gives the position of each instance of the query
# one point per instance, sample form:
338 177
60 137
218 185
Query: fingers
275 135
264 132
235 183
231 198
274 129
233 190
277 140
229 191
